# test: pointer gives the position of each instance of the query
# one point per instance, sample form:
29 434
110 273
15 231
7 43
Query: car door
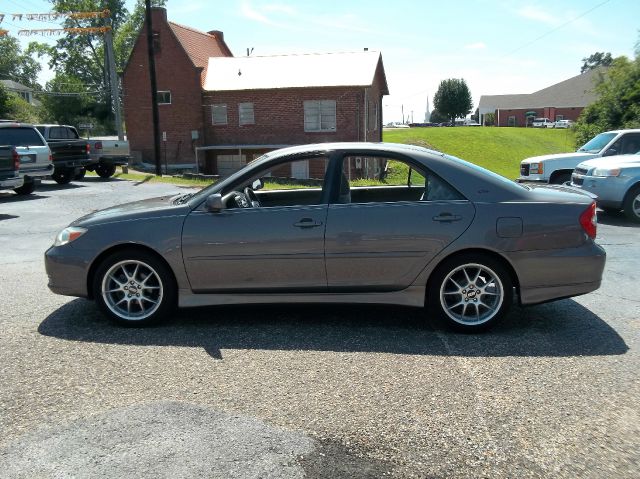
385 235
278 247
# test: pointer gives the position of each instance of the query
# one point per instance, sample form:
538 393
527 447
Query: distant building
228 110
23 91
562 101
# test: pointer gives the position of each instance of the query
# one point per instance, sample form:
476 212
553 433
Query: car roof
15 124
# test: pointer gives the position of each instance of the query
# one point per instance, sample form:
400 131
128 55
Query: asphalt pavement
308 391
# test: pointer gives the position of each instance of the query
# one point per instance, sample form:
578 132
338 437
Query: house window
320 115
245 113
219 114
155 35
164 98
511 121
373 116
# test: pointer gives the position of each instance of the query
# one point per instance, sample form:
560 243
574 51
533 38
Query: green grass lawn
497 149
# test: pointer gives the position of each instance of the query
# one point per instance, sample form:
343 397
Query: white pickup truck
557 169
107 153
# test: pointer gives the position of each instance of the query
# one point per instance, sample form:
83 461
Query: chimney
159 14
217 34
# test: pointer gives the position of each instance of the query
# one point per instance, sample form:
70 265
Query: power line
553 30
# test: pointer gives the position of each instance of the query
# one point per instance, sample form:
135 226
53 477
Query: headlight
68 235
535 168
606 172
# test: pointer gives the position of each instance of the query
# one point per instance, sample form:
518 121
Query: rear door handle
445 217
307 223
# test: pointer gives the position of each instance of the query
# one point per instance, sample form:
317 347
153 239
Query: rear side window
20 136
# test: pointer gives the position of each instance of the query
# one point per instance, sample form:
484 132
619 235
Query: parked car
9 168
615 182
563 124
438 231
70 154
542 123
557 168
32 149
107 153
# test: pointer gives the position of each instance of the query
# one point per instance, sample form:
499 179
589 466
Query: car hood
610 161
560 156
144 209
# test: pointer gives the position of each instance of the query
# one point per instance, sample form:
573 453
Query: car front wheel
632 204
470 292
134 288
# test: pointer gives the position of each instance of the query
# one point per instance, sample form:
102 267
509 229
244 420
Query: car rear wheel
105 171
470 292
632 204
27 188
62 177
134 288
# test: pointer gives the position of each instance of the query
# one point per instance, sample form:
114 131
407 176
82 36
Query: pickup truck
33 153
70 153
107 153
542 123
9 168
557 169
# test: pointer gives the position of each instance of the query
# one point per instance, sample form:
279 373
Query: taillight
50 158
98 145
589 221
88 148
16 160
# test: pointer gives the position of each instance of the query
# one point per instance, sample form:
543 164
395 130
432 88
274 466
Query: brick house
241 107
562 101
181 55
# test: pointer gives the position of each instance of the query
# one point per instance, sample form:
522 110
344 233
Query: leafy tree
437 117
489 119
17 65
65 105
618 103
598 59
14 107
453 99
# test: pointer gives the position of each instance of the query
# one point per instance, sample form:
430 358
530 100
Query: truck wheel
27 188
62 177
105 171
631 204
80 174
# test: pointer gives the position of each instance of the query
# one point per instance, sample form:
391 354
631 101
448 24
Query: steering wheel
251 195
240 199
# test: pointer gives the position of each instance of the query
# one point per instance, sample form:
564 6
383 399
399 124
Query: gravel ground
308 391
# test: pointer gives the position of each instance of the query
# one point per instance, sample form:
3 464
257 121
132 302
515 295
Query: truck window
597 143
20 137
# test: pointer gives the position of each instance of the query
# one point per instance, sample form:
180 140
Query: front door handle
446 217
307 223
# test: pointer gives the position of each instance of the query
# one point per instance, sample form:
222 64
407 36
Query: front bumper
530 179
609 190
67 271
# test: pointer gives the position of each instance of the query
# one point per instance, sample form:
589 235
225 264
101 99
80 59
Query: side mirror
214 203
610 152
257 184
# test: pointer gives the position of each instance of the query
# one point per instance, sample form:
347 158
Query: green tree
65 101
15 64
13 107
437 117
618 103
453 98
598 59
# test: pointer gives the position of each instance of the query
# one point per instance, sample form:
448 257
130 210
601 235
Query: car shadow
616 219
53 186
11 197
8 217
561 329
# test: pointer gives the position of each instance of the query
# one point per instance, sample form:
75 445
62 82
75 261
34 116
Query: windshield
595 145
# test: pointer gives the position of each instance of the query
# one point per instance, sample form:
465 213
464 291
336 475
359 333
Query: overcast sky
497 46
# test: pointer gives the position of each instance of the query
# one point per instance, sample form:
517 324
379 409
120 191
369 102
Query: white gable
291 71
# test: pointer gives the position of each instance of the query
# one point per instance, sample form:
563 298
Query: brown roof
200 45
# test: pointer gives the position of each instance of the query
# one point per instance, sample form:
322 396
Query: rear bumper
111 160
549 275
75 163
36 172
14 182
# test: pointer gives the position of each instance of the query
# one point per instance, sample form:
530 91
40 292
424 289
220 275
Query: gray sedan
337 223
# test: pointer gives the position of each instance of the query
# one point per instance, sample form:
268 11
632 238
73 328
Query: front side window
164 98
245 113
320 115
219 114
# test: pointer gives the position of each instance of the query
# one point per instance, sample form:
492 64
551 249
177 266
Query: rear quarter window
20 136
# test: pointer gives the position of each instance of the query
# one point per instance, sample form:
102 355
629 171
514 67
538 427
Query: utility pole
113 81
154 88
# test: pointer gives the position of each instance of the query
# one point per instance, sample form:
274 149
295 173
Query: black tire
27 188
631 205
79 175
62 177
610 211
470 280
105 171
560 178
134 288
